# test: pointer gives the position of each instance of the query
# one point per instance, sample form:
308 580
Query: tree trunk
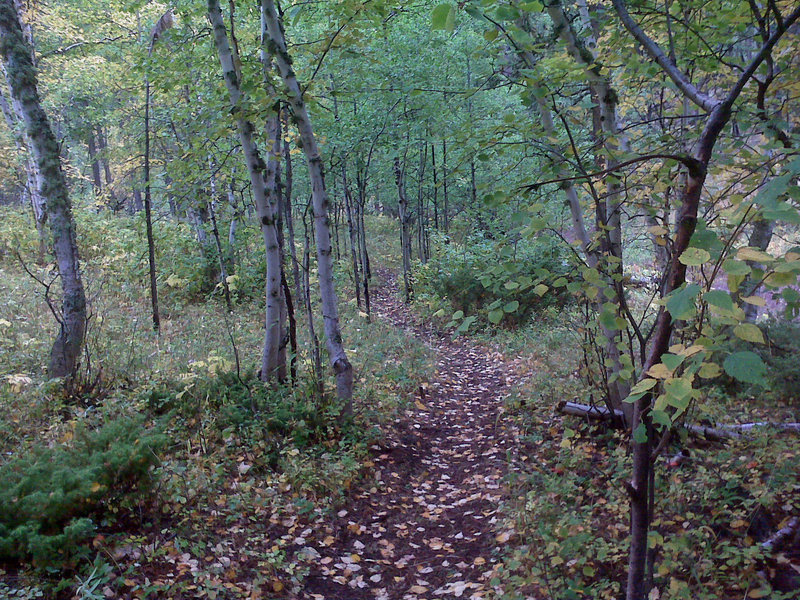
289 217
330 308
263 186
697 167
445 207
351 227
316 357
223 272
405 241
97 181
15 121
148 211
21 74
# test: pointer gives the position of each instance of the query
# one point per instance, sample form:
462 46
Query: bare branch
702 100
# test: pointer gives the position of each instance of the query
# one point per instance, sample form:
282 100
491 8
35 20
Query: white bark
264 197
330 308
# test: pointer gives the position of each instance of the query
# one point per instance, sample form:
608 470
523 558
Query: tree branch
691 163
702 100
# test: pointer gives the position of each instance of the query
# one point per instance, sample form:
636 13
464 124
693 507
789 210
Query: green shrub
781 355
53 498
484 275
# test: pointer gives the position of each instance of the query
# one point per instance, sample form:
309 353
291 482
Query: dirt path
429 528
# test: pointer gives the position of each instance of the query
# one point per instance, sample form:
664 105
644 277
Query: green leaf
679 393
459 314
465 325
749 333
746 366
694 257
511 306
540 290
736 267
673 361
608 317
680 303
661 418
640 434
719 298
496 315
444 17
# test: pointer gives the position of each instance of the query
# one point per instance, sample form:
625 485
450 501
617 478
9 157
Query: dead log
717 434
777 539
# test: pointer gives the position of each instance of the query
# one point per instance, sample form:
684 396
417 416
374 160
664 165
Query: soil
431 527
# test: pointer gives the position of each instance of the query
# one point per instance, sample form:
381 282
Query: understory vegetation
389 300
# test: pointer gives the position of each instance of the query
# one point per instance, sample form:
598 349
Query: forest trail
430 528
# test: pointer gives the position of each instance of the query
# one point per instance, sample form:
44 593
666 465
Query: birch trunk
19 68
264 198
330 309
617 389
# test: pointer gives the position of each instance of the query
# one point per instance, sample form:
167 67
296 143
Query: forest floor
425 521
430 525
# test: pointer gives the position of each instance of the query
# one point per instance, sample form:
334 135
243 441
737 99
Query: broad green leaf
710 370
736 267
694 257
608 317
511 306
749 332
672 361
754 254
459 314
465 325
776 280
540 290
496 315
746 366
678 392
660 417
640 434
443 17
680 303
720 299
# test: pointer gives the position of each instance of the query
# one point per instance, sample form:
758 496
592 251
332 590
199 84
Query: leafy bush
244 407
483 275
53 498
781 355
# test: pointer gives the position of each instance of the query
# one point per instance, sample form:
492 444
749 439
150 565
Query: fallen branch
717 434
777 539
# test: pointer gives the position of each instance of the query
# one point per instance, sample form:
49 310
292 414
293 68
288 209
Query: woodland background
204 206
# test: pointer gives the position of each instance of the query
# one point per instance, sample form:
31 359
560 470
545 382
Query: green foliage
508 284
712 513
776 373
54 498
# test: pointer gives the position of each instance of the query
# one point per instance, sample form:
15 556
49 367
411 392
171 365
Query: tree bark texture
265 198
405 237
19 68
330 308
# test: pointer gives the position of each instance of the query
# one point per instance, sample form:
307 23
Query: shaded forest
400 300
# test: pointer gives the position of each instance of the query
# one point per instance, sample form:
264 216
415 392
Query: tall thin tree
21 75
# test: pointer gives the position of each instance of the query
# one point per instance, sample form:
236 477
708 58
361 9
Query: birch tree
22 79
265 194
276 47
